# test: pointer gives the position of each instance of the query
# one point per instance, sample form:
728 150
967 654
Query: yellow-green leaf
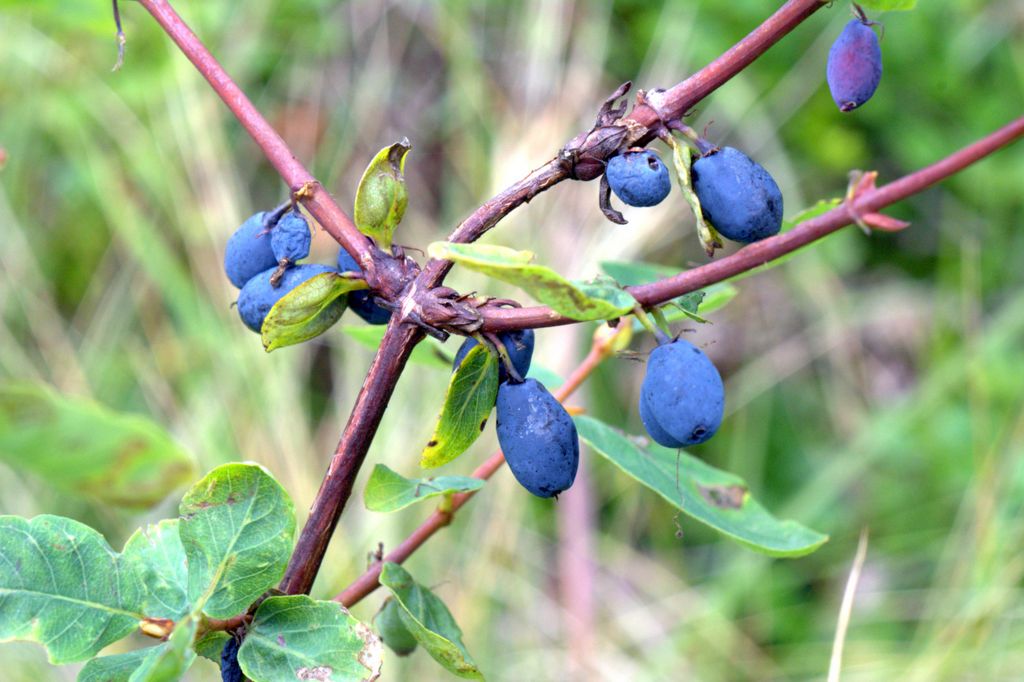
598 300
472 391
682 158
381 198
308 310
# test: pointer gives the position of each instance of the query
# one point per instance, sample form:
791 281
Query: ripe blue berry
854 65
638 178
519 345
248 251
738 196
682 397
258 296
655 431
362 301
290 238
538 438
230 671
392 630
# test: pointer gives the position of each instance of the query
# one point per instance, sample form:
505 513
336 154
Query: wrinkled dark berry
682 398
248 251
230 671
392 630
738 196
290 238
538 438
519 345
258 296
361 302
638 178
854 66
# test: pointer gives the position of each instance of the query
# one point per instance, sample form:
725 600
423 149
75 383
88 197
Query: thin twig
759 253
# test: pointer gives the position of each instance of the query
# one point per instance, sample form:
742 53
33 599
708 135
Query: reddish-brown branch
387 366
369 581
755 255
313 196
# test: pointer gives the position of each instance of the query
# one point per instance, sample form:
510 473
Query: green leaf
888 5
429 352
116 668
598 300
156 555
211 643
55 572
388 491
429 621
711 496
682 158
237 527
79 446
472 391
297 638
545 375
169 661
308 310
381 197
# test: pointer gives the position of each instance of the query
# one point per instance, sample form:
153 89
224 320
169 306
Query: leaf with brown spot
711 496
236 551
724 496
472 391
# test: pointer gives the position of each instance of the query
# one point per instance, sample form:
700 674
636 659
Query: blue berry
519 345
737 195
655 431
248 251
230 671
682 397
854 65
290 238
362 301
538 438
638 178
258 296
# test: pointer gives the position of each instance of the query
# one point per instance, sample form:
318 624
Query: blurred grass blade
713 497
79 446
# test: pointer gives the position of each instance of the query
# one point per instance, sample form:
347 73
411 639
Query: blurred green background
873 382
